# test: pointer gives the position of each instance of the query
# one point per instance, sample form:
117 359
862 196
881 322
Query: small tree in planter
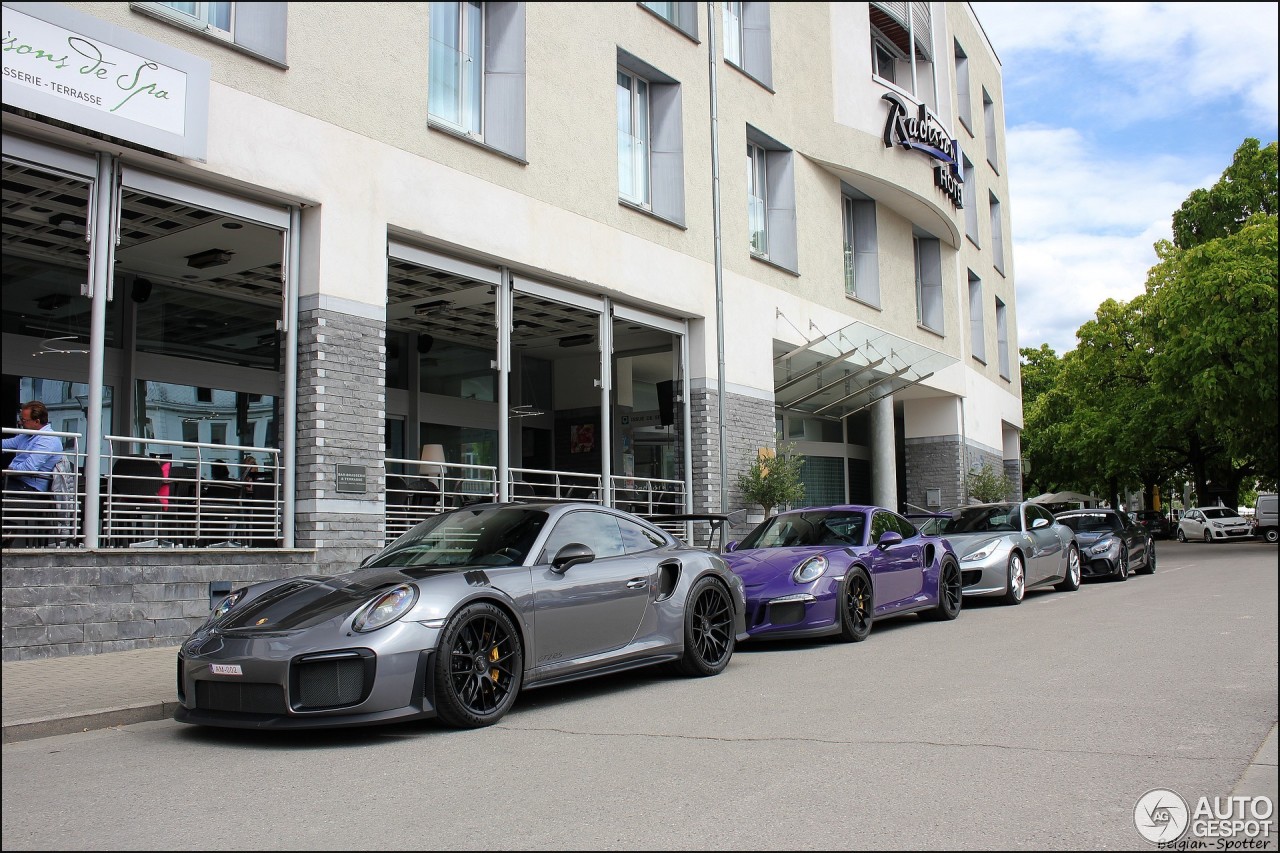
987 485
773 479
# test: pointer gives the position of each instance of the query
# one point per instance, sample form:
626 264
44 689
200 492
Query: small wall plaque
350 478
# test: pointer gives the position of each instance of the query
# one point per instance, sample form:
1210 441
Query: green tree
773 479
1247 187
987 485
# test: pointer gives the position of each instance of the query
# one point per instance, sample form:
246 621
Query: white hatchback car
1213 524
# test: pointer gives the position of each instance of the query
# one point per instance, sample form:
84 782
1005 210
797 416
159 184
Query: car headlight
1102 547
810 570
983 551
226 605
386 608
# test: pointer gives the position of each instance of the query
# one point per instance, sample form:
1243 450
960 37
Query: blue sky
1115 112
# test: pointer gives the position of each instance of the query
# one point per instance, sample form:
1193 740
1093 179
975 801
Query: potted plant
773 479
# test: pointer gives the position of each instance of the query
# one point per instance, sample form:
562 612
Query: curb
22 730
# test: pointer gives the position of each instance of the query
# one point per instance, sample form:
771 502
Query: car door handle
637 583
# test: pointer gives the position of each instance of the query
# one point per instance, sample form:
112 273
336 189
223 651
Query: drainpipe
293 254
719 258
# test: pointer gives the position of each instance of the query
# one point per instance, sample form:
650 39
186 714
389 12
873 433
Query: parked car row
457 616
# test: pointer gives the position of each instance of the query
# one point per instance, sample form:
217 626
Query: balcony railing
420 489
154 493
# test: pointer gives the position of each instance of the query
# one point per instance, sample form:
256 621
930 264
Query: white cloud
1163 56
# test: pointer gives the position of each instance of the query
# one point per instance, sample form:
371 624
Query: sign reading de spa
79 69
924 132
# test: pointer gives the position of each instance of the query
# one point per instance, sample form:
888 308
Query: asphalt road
1029 727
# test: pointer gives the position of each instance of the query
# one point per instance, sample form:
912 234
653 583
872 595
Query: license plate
225 669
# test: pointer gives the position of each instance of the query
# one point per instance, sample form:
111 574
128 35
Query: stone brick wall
749 425
933 463
73 602
341 420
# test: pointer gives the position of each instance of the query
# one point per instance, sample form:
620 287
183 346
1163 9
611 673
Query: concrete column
884 469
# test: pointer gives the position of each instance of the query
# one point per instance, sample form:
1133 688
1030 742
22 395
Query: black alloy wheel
856 609
479 667
708 629
950 592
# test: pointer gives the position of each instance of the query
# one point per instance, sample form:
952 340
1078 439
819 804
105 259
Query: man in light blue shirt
36 453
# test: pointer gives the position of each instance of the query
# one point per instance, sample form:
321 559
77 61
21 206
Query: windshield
489 536
1221 512
1098 522
993 518
815 528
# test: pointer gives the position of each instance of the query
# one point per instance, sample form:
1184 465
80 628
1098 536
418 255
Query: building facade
290 276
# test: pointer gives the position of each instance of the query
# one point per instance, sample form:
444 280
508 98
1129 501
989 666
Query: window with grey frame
997 234
1002 338
989 126
477 73
902 48
771 200
258 28
633 137
650 139
861 258
682 16
969 198
747 40
964 100
928 264
977 329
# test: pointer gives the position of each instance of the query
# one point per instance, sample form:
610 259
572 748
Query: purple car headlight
810 570
386 608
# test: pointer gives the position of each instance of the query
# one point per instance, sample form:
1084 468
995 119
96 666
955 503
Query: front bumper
989 576
286 683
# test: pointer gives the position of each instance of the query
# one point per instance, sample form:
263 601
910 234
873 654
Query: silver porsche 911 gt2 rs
455 617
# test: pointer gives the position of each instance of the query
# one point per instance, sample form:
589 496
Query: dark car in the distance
1155 522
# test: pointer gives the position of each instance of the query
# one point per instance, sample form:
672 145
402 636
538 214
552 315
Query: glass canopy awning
846 371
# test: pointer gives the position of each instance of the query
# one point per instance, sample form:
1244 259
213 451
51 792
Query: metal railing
417 489
540 484
174 494
51 518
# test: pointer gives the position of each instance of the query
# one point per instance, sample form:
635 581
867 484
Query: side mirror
732 546
1036 524
571 555
888 539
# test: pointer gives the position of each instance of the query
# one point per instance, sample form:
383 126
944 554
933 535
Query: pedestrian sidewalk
62 695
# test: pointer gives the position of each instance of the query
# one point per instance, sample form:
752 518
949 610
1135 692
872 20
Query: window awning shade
841 373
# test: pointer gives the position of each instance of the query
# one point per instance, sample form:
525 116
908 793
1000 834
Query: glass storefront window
458 370
173 412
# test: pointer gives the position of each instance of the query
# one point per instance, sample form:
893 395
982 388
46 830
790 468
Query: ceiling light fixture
209 258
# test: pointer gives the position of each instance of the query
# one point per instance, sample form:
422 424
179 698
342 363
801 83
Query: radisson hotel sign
925 133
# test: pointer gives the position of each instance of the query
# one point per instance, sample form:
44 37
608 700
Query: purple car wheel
950 592
479 667
708 630
856 608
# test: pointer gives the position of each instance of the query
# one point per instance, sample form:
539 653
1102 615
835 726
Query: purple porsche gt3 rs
834 570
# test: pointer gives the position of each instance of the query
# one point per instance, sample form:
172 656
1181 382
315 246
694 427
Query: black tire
1072 581
950 593
1015 580
856 609
1122 566
1149 564
1181 537
708 629
1272 535
1208 537
479 667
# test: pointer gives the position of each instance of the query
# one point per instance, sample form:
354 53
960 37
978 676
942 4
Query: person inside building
34 454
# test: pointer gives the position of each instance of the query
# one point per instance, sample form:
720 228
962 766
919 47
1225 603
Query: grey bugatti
458 615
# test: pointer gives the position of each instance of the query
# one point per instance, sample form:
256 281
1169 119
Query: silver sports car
452 619
1007 548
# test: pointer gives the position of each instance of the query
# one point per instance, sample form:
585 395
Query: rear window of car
1093 523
